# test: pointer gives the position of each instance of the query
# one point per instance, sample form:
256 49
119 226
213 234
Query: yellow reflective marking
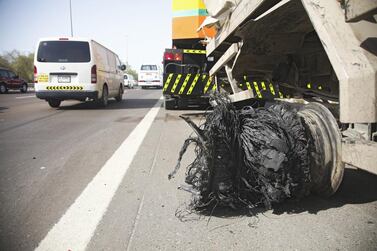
42 78
208 84
272 90
193 83
168 81
248 85
184 84
256 87
263 86
64 88
320 87
214 88
281 95
309 85
194 51
176 82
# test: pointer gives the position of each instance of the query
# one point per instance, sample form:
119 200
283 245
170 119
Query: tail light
169 56
178 57
93 74
35 74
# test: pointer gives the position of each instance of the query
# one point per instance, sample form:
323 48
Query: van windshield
149 67
63 52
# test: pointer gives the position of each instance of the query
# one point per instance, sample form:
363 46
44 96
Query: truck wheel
54 103
119 97
23 88
169 104
327 167
3 88
104 100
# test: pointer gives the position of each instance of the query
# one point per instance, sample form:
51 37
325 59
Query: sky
137 30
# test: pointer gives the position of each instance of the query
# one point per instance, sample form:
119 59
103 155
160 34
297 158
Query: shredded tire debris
246 158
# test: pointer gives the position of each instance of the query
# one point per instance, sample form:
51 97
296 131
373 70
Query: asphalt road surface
81 177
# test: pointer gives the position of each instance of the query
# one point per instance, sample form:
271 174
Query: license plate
64 79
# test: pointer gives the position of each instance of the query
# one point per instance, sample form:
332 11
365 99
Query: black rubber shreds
246 158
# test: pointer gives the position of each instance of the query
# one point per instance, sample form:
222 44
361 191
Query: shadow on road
358 187
113 105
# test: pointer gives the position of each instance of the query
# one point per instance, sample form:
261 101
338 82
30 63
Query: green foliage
21 64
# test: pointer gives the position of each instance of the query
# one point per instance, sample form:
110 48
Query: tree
22 64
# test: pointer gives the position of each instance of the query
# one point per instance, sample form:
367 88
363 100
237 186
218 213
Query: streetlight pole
127 41
70 16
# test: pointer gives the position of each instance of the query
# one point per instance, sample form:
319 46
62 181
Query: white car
78 69
129 81
150 75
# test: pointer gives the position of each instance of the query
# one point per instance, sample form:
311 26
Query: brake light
93 74
168 56
178 57
35 74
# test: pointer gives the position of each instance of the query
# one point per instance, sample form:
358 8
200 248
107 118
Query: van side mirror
123 67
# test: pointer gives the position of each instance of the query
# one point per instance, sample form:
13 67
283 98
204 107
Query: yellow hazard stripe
194 51
247 83
263 86
256 87
64 88
168 81
184 84
214 88
193 84
176 83
272 89
281 95
207 85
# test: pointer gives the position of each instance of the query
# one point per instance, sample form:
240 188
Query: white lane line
76 227
22 97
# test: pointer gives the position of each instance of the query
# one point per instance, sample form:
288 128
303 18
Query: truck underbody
314 50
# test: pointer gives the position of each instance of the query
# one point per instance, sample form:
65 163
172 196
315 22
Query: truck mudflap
188 84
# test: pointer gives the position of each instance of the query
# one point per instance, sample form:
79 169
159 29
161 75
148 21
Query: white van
129 81
150 75
78 69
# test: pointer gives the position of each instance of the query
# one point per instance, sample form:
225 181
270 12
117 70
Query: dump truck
185 74
322 53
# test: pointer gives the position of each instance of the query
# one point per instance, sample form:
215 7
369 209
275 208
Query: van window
63 51
149 67
125 77
3 73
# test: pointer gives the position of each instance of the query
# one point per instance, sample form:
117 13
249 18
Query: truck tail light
35 74
93 74
168 56
178 57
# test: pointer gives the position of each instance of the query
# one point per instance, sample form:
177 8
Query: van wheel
104 100
3 88
119 97
23 88
54 103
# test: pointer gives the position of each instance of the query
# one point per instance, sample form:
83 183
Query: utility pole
70 15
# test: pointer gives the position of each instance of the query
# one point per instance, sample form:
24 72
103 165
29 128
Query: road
81 177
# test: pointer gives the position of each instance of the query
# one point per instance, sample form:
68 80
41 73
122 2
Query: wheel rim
2 88
24 87
327 168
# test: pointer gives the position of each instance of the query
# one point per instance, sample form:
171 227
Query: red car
10 81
